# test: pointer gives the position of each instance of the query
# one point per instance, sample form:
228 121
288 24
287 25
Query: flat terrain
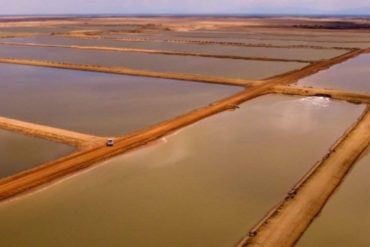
143 80
207 66
97 103
345 220
19 152
198 200
352 75
300 54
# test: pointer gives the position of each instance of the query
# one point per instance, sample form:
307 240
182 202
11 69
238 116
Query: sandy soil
286 223
79 140
127 71
285 78
357 98
291 77
208 42
194 23
39 176
118 49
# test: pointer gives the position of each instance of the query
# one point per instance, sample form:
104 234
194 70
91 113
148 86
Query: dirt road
283 226
28 180
127 71
163 52
353 97
286 223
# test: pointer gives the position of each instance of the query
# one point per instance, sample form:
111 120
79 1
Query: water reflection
345 220
316 101
19 152
351 75
208 66
287 117
204 186
286 53
98 103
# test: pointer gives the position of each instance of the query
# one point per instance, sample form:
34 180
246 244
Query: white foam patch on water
323 102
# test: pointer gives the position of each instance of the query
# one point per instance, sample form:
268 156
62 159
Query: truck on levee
110 142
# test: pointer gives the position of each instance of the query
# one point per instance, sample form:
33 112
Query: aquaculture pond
19 152
224 50
98 103
279 34
256 39
283 36
345 221
217 67
353 75
204 185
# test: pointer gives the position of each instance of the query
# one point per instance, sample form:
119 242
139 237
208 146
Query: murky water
345 221
19 152
205 185
353 75
98 103
232 68
278 34
258 39
262 52
320 39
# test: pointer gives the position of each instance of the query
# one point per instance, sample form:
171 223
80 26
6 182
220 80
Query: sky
12 7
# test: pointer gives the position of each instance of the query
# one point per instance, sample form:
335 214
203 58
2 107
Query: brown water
353 75
98 103
205 185
285 34
308 37
19 152
262 52
232 68
258 39
277 34
345 221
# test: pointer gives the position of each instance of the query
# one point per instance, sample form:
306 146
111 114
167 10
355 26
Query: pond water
218 67
353 75
257 39
19 152
98 103
261 52
205 185
345 220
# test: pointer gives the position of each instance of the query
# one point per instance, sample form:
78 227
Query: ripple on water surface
205 185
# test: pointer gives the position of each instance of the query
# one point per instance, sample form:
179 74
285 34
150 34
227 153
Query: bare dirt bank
163 52
291 77
47 173
353 97
284 225
44 174
209 42
127 71
79 140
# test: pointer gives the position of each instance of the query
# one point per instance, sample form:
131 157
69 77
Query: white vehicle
110 142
